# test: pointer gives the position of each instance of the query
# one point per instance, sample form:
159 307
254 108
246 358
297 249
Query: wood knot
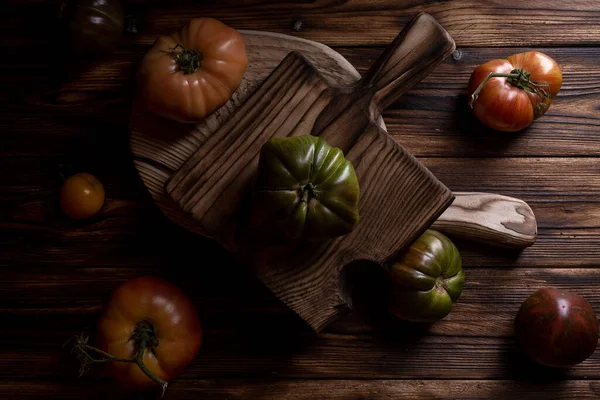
456 55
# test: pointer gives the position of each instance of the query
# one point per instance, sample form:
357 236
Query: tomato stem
517 77
188 61
144 337
139 360
307 191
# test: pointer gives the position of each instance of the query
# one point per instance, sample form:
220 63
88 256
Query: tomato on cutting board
190 73
304 190
509 94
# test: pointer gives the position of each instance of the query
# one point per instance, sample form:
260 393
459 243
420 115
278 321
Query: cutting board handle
489 218
421 46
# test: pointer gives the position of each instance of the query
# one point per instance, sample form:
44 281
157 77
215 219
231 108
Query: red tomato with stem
149 331
190 73
508 95
557 328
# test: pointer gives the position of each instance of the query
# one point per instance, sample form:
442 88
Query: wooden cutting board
312 287
399 198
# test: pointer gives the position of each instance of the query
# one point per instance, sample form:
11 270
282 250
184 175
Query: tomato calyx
188 61
520 78
145 338
307 192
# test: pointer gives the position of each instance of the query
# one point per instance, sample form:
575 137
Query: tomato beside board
508 95
149 332
190 73
91 27
151 314
427 279
557 328
81 196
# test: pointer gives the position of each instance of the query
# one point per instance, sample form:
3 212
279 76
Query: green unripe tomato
304 189
427 279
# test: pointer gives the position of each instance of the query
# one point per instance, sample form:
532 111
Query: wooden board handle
420 47
489 218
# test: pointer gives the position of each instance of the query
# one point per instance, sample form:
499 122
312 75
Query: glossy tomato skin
557 328
81 196
427 279
92 27
503 106
304 190
153 300
189 97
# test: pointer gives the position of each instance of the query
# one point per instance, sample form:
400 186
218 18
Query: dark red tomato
91 27
152 322
557 328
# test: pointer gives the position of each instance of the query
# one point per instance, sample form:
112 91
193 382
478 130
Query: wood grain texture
399 198
489 218
316 389
50 286
529 179
360 22
430 120
250 334
368 23
129 231
39 298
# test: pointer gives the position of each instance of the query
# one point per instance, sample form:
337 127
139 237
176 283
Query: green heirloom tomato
304 189
427 279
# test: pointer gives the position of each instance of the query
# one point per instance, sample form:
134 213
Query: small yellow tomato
81 196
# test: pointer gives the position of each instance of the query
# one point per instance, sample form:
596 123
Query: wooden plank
235 389
30 191
390 355
34 297
368 23
112 243
530 179
250 334
131 231
431 120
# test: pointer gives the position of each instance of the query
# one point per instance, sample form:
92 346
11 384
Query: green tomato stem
144 336
517 77
307 192
188 61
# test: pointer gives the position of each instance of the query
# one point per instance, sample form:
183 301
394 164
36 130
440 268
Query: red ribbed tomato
154 318
557 328
148 333
508 95
190 73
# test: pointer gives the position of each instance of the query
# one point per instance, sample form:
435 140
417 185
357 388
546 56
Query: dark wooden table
56 273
